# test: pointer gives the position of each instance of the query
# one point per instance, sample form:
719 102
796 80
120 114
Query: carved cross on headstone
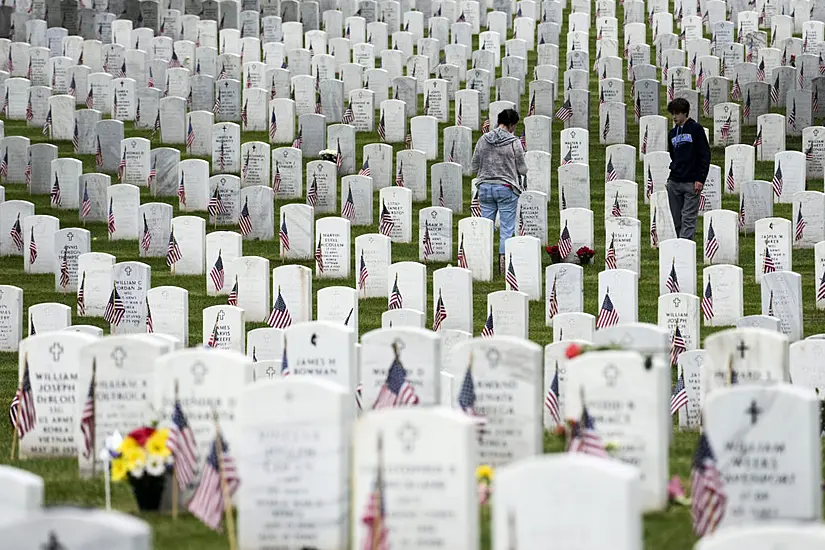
754 411
408 436
270 372
493 357
118 356
742 348
611 374
128 271
56 350
221 315
198 372
70 236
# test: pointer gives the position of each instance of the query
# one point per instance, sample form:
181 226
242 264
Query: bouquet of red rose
585 254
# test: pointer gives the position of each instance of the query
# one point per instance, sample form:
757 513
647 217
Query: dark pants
684 207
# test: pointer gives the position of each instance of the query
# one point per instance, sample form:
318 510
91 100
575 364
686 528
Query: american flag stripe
181 443
207 503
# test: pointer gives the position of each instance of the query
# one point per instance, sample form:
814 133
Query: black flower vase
148 491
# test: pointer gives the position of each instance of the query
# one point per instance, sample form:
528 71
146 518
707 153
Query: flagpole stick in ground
227 498
107 485
174 473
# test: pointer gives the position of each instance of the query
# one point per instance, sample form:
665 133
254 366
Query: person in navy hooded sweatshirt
689 165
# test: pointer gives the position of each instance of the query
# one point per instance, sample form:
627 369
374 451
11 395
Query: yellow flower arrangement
143 452
119 469
484 473
156 444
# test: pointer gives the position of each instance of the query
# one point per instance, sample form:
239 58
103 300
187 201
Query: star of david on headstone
677 302
53 543
611 373
56 350
493 357
128 271
221 315
408 436
270 372
198 372
118 356
69 236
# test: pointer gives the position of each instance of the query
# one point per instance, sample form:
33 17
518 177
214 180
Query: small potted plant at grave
144 459
585 255
329 154
553 251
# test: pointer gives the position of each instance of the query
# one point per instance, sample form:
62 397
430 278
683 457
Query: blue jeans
495 197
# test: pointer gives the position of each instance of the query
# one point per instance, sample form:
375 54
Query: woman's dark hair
508 117
679 105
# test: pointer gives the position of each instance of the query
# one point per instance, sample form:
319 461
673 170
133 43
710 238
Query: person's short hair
508 117
678 106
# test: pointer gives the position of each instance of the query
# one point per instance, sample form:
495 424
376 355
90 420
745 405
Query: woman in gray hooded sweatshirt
498 162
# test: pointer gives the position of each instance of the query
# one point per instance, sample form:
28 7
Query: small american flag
820 292
386 223
815 102
318 107
760 71
216 108
708 498
348 208
90 99
382 131
736 92
440 314
451 156
4 164
339 156
741 219
181 443
510 277
312 192
396 391
462 257
283 234
607 314
553 300
584 437
767 262
711 244
637 110
137 110
153 173
47 126
677 346
678 396
207 503
114 308
746 111
771 312
349 115
273 126
654 233
111 221
440 193
758 141
319 254
707 302
551 400
809 152
217 273
801 78
730 181
700 78
801 224
150 324
216 205
182 190
173 253
568 156
29 110
610 256
23 413
565 242
156 127
459 119
616 210
121 168
9 63
485 126
606 129
299 140
363 274
399 176
32 245
522 230
27 172
475 205
87 419
692 64
365 168
775 91
244 116
374 518
279 317
222 156
488 330
523 140
5 108
232 299
213 336
565 112
81 296
672 282
75 138
285 371
244 220
408 141
64 268
396 301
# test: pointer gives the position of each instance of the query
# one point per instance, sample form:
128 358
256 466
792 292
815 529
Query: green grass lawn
670 529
